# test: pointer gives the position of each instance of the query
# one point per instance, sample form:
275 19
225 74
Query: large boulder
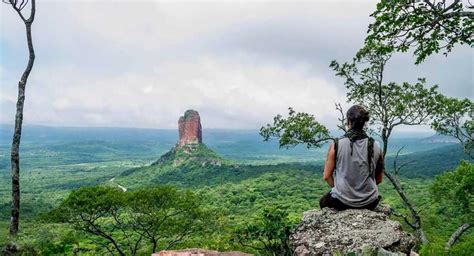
327 231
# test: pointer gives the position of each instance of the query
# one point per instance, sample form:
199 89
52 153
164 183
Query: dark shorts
331 202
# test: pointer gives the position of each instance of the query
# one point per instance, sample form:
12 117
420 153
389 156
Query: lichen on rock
326 231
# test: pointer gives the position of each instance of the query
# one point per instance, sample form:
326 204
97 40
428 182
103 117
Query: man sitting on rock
357 162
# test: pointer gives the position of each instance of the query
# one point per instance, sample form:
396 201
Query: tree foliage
455 191
428 26
98 211
163 216
297 128
268 233
454 117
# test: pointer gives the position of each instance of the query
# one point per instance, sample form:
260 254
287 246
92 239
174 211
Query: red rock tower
190 128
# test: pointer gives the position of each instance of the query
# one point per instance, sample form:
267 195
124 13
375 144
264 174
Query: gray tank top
353 184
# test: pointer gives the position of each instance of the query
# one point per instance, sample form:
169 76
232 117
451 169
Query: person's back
354 184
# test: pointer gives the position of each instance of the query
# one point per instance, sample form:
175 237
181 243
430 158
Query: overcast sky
143 63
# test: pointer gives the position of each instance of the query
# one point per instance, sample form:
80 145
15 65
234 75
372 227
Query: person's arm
329 166
379 169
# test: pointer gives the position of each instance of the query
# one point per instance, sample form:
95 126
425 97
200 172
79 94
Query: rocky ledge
362 232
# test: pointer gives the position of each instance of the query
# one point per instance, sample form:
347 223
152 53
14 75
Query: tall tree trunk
15 154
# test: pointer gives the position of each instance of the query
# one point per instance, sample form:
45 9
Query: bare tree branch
455 236
341 119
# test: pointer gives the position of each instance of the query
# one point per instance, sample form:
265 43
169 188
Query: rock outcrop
198 252
190 149
328 231
190 130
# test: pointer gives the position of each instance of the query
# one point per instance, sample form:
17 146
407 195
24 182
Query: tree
390 105
297 128
428 26
454 190
269 233
300 128
454 117
15 154
122 221
98 211
165 215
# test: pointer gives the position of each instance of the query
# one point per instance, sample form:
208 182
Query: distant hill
439 139
429 163
197 165
44 147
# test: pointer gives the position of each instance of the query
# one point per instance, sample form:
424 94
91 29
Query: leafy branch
297 128
428 26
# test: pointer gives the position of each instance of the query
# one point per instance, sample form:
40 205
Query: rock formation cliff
190 130
361 232
190 148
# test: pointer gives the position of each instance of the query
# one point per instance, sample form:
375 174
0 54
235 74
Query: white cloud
94 118
61 104
143 63
228 95
148 89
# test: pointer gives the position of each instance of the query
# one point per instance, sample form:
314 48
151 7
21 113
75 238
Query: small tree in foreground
165 215
123 222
